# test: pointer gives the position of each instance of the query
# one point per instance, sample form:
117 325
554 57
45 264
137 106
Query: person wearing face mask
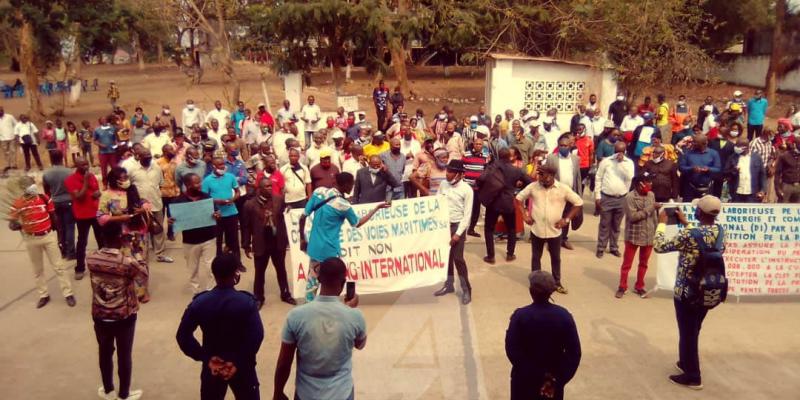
724 145
698 167
167 118
155 140
298 179
353 163
395 162
460 197
377 146
568 173
148 181
612 183
223 187
787 174
605 147
663 174
264 237
271 172
746 175
430 169
169 187
316 148
678 115
192 164
33 214
324 173
549 198
784 136
641 217
756 112
374 183
687 130
618 109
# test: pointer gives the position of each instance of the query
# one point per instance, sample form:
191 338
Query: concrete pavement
420 346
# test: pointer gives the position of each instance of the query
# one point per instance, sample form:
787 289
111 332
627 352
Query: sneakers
641 293
165 259
70 300
684 381
43 301
620 293
133 395
101 393
561 289
488 260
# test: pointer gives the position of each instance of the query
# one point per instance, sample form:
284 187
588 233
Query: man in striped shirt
33 214
762 146
475 161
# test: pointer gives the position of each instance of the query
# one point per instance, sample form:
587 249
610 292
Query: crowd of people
527 172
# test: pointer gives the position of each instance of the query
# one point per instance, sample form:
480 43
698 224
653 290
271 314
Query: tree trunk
28 67
399 66
225 52
777 67
160 51
137 47
264 90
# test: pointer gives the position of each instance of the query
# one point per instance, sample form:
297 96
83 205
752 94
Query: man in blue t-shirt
105 137
756 111
330 210
221 186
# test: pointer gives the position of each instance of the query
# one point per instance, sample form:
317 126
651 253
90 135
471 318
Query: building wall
511 84
752 71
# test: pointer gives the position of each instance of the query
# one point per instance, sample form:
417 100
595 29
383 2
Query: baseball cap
325 153
338 134
709 204
737 93
473 118
378 133
647 116
482 129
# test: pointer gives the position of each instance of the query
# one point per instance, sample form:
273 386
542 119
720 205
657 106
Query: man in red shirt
264 117
271 171
585 147
646 107
85 192
32 214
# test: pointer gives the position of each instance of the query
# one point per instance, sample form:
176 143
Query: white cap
337 134
737 93
482 129
473 118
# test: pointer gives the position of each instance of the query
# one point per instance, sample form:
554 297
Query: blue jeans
66 229
690 320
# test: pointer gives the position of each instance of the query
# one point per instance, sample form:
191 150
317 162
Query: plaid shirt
113 277
765 150
640 218
684 243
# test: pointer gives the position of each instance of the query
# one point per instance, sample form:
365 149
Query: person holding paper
264 236
199 244
222 187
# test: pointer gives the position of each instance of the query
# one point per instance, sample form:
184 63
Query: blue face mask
564 152
235 153
473 125
612 139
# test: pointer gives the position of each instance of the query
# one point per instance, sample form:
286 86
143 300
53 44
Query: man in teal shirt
222 187
756 111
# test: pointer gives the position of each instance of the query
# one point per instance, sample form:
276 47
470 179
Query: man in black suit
374 183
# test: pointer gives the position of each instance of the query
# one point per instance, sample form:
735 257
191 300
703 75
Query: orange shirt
33 213
585 146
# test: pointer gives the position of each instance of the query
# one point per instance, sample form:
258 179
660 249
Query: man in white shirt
216 130
222 115
548 136
298 181
598 124
586 120
148 180
285 114
459 196
191 116
568 173
631 121
746 174
612 184
279 139
8 141
710 121
313 152
251 130
155 140
310 114
25 131
547 217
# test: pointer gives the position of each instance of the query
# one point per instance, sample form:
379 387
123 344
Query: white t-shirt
629 124
413 148
7 123
24 129
155 143
284 115
565 172
745 184
279 146
191 117
222 116
295 189
598 126
313 114
709 123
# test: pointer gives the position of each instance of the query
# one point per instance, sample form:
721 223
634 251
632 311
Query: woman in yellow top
73 141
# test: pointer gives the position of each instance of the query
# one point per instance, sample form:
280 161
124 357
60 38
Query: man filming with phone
330 210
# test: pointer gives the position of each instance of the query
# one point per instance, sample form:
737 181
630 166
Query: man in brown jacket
641 218
664 175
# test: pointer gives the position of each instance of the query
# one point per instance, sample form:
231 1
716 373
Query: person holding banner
330 210
690 316
460 197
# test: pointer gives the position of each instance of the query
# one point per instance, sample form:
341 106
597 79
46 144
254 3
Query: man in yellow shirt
377 146
662 119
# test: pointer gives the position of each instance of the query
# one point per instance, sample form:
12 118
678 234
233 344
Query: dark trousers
476 212
381 114
554 248
243 384
83 240
491 220
411 190
29 150
297 204
457 260
754 131
107 161
278 256
691 193
744 198
109 334
584 175
610 220
167 201
228 230
690 320
716 187
565 230
65 229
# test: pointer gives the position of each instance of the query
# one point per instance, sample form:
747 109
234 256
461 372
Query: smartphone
350 291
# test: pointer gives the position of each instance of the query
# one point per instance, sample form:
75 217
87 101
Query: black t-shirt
198 235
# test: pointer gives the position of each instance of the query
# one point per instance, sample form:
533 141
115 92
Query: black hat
455 166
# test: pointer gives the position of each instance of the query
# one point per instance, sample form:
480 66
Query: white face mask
453 182
190 106
658 159
738 150
734 133
620 98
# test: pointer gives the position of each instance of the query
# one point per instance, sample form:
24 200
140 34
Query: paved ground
420 347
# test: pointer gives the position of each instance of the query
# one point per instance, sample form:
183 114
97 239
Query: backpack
711 285
492 185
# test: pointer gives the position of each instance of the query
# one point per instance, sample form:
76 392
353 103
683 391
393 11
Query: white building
538 83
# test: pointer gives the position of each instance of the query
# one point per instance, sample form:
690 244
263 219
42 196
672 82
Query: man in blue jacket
747 177
698 167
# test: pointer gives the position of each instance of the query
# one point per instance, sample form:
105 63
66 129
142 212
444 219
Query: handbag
153 226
